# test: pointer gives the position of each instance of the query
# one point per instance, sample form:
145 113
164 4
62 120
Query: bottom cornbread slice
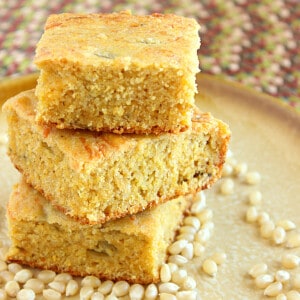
131 248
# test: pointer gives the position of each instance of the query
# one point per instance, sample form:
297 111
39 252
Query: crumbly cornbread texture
131 248
118 72
95 177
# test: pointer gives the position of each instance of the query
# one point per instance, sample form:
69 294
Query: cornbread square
118 72
132 248
96 177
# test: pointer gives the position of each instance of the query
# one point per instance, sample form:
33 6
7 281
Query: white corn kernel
12 288
120 288
219 257
106 287
64 277
186 295
173 267
258 269
200 204
293 295
263 280
7 276
290 261
266 229
46 276
26 294
86 293
23 275
282 276
287 225
278 235
177 246
35 284
263 217
151 291
92 281
210 267
296 281
252 178
50 294
188 251
167 296
281 296
199 249
205 215
192 221
179 276
273 289
251 214
185 236
227 170
168 287
255 198
177 259
293 240
111 297
72 288
202 236
240 169
97 296
208 225
227 186
136 292
189 283
188 229
165 273
14 267
58 286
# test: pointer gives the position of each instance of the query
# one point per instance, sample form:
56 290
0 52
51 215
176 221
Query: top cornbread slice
95 177
118 72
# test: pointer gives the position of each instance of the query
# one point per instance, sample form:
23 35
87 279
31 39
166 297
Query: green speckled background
255 42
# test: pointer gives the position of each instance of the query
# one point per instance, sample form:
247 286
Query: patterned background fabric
255 42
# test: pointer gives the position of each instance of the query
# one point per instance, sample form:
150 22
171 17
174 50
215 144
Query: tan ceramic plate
265 135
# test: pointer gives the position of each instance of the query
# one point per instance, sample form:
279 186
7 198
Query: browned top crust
120 38
88 146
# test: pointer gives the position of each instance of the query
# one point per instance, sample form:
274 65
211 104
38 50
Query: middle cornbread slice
96 177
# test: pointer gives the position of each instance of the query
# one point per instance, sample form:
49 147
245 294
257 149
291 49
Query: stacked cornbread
110 145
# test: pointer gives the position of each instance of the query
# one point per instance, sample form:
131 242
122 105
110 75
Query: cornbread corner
97 177
118 72
132 248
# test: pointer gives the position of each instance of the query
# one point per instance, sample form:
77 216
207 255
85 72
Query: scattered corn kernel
192 221
255 198
293 240
219 257
50 294
296 281
189 283
198 248
165 273
168 287
263 217
136 292
273 289
266 229
278 235
12 288
188 251
227 170
210 267
281 296
293 295
167 296
251 214
26 294
227 186
263 280
58 286
179 276
120 288
151 291
14 267
282 276
92 281
35 284
258 269
240 169
46 276
178 259
252 178
287 225
186 295
290 261
72 288
106 287
23 275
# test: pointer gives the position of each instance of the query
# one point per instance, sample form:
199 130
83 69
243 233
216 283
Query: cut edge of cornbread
113 175
118 72
132 248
